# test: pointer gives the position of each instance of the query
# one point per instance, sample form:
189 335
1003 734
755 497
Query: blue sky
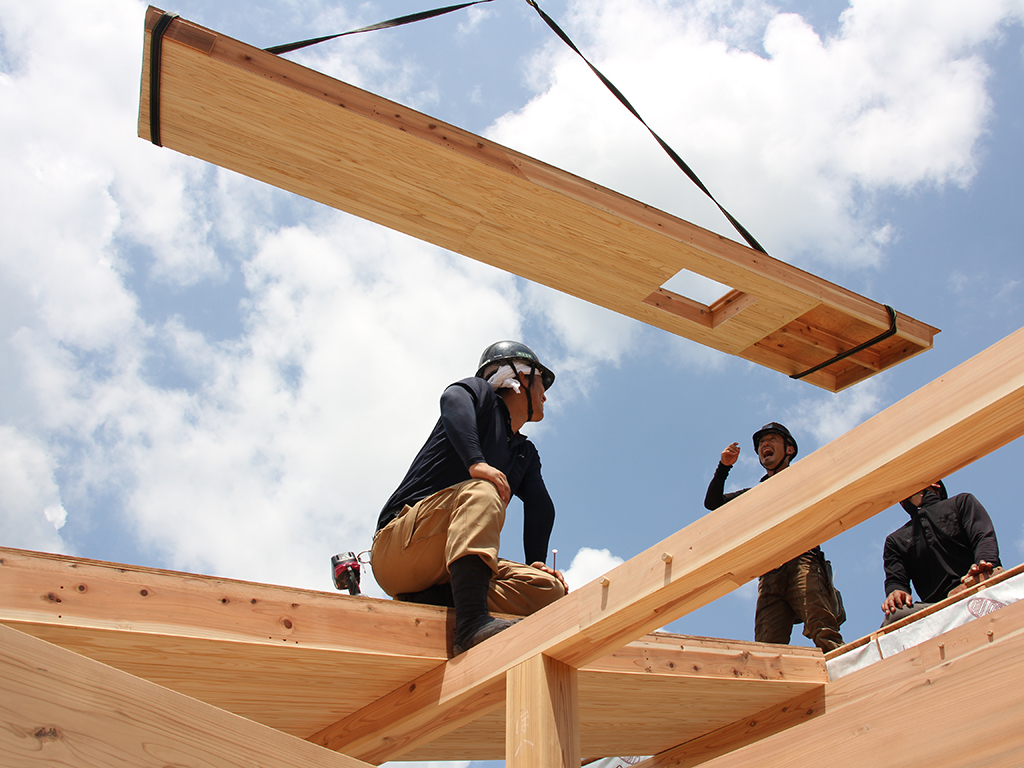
202 373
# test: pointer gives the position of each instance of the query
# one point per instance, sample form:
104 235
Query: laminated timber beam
951 701
60 708
241 108
947 424
298 660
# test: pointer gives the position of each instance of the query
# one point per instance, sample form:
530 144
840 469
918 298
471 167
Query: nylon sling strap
396 22
279 49
859 348
700 185
154 122
668 150
156 41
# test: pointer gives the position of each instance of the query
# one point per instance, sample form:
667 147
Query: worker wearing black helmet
438 535
800 590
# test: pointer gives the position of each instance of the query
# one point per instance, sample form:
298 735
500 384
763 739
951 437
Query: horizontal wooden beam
60 708
258 114
43 588
956 419
298 660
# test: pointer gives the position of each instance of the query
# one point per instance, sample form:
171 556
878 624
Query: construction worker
438 535
948 545
800 590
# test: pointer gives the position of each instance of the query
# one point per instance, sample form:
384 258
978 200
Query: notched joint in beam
722 309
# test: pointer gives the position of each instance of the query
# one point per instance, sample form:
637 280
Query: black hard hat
508 352
778 429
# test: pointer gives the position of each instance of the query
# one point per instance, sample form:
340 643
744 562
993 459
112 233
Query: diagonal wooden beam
945 702
956 419
228 103
59 708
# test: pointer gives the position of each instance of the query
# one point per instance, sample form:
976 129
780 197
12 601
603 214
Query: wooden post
542 715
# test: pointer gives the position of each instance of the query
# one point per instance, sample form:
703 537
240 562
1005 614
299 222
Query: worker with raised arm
948 545
800 590
438 535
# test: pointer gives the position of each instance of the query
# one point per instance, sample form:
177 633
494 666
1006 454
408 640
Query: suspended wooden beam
60 708
956 419
266 117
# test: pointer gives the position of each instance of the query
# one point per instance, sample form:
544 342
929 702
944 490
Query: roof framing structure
314 657
104 664
242 108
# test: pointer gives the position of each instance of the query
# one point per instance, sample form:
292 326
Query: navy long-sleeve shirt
475 426
939 544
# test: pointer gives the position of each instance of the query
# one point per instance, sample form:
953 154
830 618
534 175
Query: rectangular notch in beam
722 309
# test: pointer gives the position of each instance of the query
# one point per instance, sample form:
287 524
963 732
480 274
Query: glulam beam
263 116
961 416
60 708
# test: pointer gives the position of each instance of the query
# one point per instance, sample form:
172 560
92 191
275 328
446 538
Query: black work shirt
475 426
939 544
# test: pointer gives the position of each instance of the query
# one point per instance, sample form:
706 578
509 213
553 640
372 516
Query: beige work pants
413 551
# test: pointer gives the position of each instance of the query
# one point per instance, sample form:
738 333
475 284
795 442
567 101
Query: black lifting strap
156 41
869 343
279 49
668 150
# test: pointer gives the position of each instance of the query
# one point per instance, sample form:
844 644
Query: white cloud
827 417
588 564
270 447
32 514
793 140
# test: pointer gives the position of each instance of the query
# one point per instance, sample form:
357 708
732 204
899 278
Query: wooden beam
953 701
226 643
42 588
700 685
276 121
956 419
542 715
59 708
750 730
933 608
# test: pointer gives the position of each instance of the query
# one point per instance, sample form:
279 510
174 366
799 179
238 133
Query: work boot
439 594
492 627
471 579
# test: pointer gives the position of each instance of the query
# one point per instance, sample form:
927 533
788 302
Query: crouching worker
438 535
948 544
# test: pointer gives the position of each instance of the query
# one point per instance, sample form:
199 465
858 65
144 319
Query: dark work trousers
792 593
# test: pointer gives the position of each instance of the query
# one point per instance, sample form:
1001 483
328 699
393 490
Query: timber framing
115 665
241 108
298 660
567 662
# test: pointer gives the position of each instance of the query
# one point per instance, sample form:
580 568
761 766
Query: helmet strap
529 393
